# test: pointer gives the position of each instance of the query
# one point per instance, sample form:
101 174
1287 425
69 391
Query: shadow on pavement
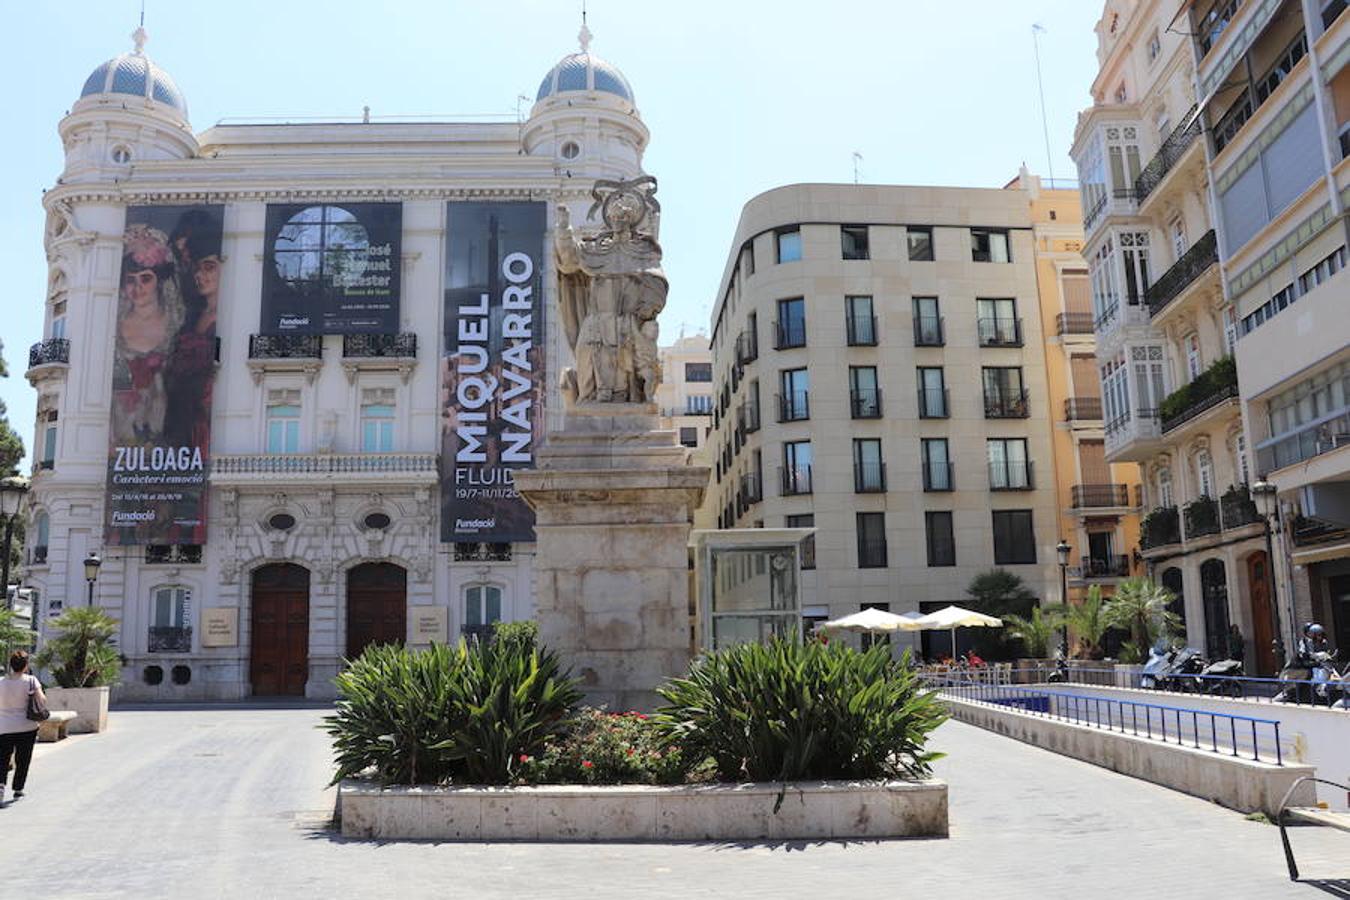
1336 887
256 703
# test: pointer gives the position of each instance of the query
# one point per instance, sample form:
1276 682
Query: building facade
326 519
685 396
880 375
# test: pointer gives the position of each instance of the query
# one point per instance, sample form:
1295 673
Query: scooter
1061 673
1181 675
1222 678
1310 678
1159 662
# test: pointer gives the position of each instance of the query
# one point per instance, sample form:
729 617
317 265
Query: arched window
1204 473
42 526
171 602
1165 497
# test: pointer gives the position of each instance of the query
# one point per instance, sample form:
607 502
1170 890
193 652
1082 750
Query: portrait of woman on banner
150 311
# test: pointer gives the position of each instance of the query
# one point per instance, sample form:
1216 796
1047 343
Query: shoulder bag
37 708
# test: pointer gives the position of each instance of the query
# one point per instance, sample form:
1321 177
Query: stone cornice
100 194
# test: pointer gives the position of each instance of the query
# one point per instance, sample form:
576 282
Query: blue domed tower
129 110
586 119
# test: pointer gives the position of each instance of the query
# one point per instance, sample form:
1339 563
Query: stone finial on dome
139 37
584 36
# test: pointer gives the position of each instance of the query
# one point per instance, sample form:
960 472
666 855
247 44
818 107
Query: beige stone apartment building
684 397
880 375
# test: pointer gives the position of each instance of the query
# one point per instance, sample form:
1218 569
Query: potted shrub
1139 607
81 657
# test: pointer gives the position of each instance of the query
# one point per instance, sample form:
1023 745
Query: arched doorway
1214 592
1258 587
279 658
377 606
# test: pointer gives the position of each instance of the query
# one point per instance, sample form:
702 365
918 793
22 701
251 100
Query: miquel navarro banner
164 369
493 368
332 268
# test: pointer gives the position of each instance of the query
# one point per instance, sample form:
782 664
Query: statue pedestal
614 498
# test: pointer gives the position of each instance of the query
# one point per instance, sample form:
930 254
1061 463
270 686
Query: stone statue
611 289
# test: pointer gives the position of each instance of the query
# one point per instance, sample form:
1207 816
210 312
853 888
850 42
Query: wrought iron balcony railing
794 407
1114 566
1160 528
795 480
928 331
1202 517
1099 496
285 346
173 554
869 477
938 477
379 346
933 403
861 330
49 352
865 403
1203 254
752 488
1172 149
1011 476
1237 509
997 332
1080 409
789 334
1010 405
169 639
747 347
471 551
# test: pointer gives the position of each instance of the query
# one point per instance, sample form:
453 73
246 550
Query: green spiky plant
82 652
1140 607
1087 620
14 636
1035 631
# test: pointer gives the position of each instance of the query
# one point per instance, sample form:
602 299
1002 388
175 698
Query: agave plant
1140 606
83 652
1036 631
790 710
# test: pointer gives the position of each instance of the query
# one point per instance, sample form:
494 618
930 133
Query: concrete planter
722 812
90 706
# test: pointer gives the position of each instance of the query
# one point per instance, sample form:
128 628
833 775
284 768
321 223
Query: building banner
493 368
164 370
332 268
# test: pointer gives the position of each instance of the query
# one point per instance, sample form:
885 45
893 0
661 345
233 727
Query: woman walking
18 733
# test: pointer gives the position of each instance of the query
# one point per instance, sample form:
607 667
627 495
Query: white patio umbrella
950 618
872 620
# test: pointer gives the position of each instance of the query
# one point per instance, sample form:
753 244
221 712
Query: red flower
586 763
524 758
631 751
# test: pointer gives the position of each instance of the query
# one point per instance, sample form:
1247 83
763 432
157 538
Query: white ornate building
323 525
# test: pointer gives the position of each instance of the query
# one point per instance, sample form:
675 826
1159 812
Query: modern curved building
288 369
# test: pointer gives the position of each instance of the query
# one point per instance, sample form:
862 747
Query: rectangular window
794 397
789 244
1193 365
808 547
859 322
1014 537
864 393
1009 468
871 540
700 372
377 421
791 327
937 465
989 245
171 607
796 468
869 471
58 319
927 322
941 544
482 605
749 258
997 323
1004 396
920 241
283 421
854 240
688 436
49 443
698 405
932 393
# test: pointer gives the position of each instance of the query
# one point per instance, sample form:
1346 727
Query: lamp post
1063 548
91 564
12 491
1267 502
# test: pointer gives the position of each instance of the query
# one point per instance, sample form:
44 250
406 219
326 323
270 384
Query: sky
740 96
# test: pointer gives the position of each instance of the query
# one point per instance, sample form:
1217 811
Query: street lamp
1265 496
91 564
12 491
1063 549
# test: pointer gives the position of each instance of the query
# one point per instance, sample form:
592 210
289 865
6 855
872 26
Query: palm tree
1140 606
1087 619
13 635
1035 631
82 652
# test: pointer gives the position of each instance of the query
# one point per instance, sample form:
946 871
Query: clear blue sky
740 96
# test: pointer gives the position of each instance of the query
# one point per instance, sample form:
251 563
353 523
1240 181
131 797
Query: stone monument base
614 497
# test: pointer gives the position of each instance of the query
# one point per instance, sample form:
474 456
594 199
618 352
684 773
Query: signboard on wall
430 624
220 626
493 368
332 268
164 369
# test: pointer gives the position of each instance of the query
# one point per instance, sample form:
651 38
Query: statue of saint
611 289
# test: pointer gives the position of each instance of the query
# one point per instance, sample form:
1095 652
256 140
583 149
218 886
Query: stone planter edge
89 704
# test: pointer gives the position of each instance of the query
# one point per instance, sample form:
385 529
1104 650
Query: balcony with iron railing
285 346
1237 509
872 553
1007 405
939 477
998 332
1160 528
1114 566
1202 518
1210 388
1169 154
1256 92
752 488
1011 475
379 346
747 347
479 551
1131 437
933 403
51 352
169 639
173 554
1073 323
869 477
795 480
1312 439
865 403
1083 409
929 331
794 407
1196 261
747 417
1100 496
789 334
861 330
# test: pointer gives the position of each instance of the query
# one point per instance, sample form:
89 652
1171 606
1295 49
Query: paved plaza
230 802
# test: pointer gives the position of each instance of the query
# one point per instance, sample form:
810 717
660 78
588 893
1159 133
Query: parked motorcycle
1221 678
1182 674
1159 662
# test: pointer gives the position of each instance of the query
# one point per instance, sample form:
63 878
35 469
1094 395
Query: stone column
614 498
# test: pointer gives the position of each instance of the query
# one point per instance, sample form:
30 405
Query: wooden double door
279 658
377 606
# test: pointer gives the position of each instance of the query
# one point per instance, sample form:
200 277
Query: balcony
1237 509
929 331
747 418
861 330
1160 528
1132 437
1083 409
795 480
747 347
1202 518
169 639
1010 405
1252 98
869 478
478 551
933 403
173 554
1169 154
379 346
865 403
1320 436
47 357
752 488
1115 566
285 346
999 332
789 334
1073 323
318 468
938 477
1212 387
794 407
1011 476
1100 496
1201 256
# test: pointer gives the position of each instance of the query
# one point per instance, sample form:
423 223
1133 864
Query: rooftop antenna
1036 31
857 158
139 37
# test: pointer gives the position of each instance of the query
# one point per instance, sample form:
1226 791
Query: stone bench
54 728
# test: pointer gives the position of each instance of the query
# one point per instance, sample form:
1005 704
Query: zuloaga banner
164 370
493 369
332 268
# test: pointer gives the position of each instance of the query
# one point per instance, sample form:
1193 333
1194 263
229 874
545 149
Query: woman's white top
14 691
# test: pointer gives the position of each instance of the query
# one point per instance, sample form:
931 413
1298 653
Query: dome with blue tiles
586 72
133 74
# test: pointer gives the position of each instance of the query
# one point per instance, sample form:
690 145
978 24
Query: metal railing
1198 259
1073 323
862 330
376 346
1116 566
1313 439
1160 528
869 477
752 488
928 331
1087 496
794 407
1011 476
173 554
285 346
1202 517
1007 405
747 347
933 403
747 417
1080 409
999 332
169 639
795 480
938 477
865 403
1171 151
789 334
48 352
471 551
